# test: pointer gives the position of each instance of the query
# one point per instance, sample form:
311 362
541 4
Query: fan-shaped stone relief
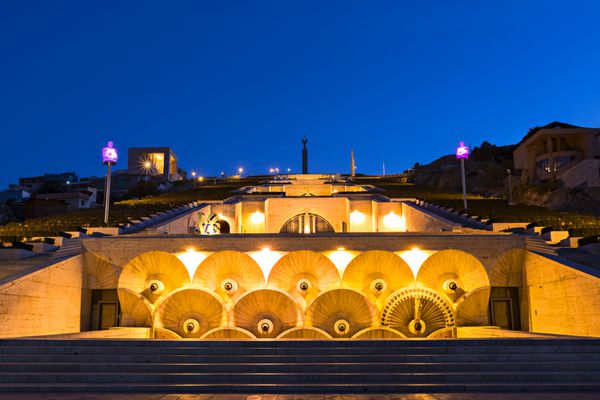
228 333
508 269
472 308
379 333
304 333
154 275
378 297
304 274
135 308
101 273
377 274
266 313
417 312
452 273
190 313
165 334
230 274
341 313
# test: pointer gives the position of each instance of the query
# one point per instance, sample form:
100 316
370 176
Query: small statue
208 225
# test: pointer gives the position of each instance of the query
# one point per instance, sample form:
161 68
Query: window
548 166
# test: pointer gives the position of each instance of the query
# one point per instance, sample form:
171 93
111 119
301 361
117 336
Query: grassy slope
492 208
120 212
496 209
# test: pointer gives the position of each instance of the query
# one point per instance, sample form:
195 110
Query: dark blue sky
238 83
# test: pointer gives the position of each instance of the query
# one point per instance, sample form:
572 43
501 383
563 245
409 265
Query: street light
109 158
240 171
462 153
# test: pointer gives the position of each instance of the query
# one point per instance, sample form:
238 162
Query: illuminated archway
307 223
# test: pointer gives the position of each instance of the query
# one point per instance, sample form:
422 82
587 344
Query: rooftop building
155 162
560 151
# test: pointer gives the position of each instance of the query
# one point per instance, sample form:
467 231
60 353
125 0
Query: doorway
105 311
504 308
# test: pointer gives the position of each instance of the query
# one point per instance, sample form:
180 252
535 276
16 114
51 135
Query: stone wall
419 220
487 247
280 210
563 300
45 301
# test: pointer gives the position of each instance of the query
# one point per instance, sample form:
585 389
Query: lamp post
462 153
510 201
109 158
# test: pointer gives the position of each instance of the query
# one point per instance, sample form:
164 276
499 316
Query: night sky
229 84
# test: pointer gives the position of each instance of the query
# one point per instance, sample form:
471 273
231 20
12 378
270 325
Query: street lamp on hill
462 153
109 158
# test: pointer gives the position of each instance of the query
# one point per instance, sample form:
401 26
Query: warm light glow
191 259
415 258
152 162
200 179
266 259
341 258
257 217
356 217
395 222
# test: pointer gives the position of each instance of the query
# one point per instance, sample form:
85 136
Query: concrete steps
279 366
538 245
71 247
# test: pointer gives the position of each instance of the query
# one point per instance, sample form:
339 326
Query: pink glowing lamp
109 155
462 151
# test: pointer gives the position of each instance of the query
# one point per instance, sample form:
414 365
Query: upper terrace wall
336 210
487 247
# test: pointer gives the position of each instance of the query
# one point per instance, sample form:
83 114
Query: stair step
297 378
299 351
118 358
304 389
524 366
271 366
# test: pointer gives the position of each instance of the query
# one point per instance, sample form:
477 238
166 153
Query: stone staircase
315 366
70 247
538 245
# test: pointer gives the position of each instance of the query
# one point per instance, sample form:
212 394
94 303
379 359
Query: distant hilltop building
154 161
35 183
560 151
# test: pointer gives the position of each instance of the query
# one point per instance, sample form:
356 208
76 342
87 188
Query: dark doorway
504 308
105 309
224 225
